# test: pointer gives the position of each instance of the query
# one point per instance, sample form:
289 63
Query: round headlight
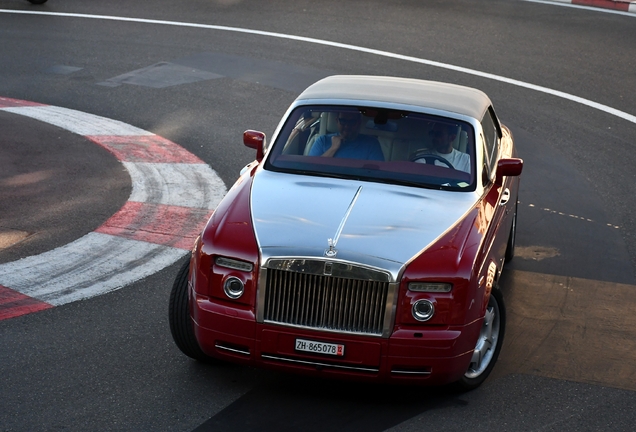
423 310
233 287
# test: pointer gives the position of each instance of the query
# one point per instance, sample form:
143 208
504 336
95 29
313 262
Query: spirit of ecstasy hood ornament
332 251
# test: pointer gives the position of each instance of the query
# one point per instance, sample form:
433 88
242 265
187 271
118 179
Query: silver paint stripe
607 109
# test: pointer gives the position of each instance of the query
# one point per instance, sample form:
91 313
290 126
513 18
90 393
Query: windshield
377 144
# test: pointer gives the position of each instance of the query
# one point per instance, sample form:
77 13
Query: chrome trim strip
339 268
326 330
234 350
399 372
261 291
310 363
380 104
390 310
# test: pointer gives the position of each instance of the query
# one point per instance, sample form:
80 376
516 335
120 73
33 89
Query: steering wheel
430 158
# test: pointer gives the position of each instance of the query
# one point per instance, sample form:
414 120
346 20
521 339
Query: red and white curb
173 195
617 5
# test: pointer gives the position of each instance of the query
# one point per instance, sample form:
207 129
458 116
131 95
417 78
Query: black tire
37 1
512 237
179 317
490 339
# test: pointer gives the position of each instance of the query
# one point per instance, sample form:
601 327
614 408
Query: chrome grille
325 302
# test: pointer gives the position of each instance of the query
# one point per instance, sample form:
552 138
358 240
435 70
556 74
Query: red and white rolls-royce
364 242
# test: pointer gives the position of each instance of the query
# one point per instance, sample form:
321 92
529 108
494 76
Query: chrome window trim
370 103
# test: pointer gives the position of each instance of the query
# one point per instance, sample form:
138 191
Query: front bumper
409 355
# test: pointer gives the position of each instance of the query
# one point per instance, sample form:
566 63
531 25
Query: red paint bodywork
227 329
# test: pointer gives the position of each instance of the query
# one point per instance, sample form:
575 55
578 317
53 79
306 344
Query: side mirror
508 168
256 140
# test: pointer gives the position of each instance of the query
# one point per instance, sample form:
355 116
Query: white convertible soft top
427 94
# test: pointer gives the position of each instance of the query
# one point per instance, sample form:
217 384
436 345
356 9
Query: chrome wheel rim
487 342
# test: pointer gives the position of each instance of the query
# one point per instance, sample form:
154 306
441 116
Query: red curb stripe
606 4
14 304
160 224
13 103
145 148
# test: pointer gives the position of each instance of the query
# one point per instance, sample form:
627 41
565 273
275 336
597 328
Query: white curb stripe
92 265
185 185
78 122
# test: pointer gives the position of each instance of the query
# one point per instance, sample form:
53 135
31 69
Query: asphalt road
108 363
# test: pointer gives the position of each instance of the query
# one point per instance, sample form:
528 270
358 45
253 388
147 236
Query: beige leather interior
398 145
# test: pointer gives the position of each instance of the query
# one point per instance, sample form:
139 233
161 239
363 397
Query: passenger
348 142
442 137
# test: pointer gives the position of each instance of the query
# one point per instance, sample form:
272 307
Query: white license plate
320 347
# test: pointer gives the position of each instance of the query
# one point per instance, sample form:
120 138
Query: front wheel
37 1
179 317
488 344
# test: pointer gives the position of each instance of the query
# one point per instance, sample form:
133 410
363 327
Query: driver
348 142
442 137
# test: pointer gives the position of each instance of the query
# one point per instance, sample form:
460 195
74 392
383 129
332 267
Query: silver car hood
374 224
